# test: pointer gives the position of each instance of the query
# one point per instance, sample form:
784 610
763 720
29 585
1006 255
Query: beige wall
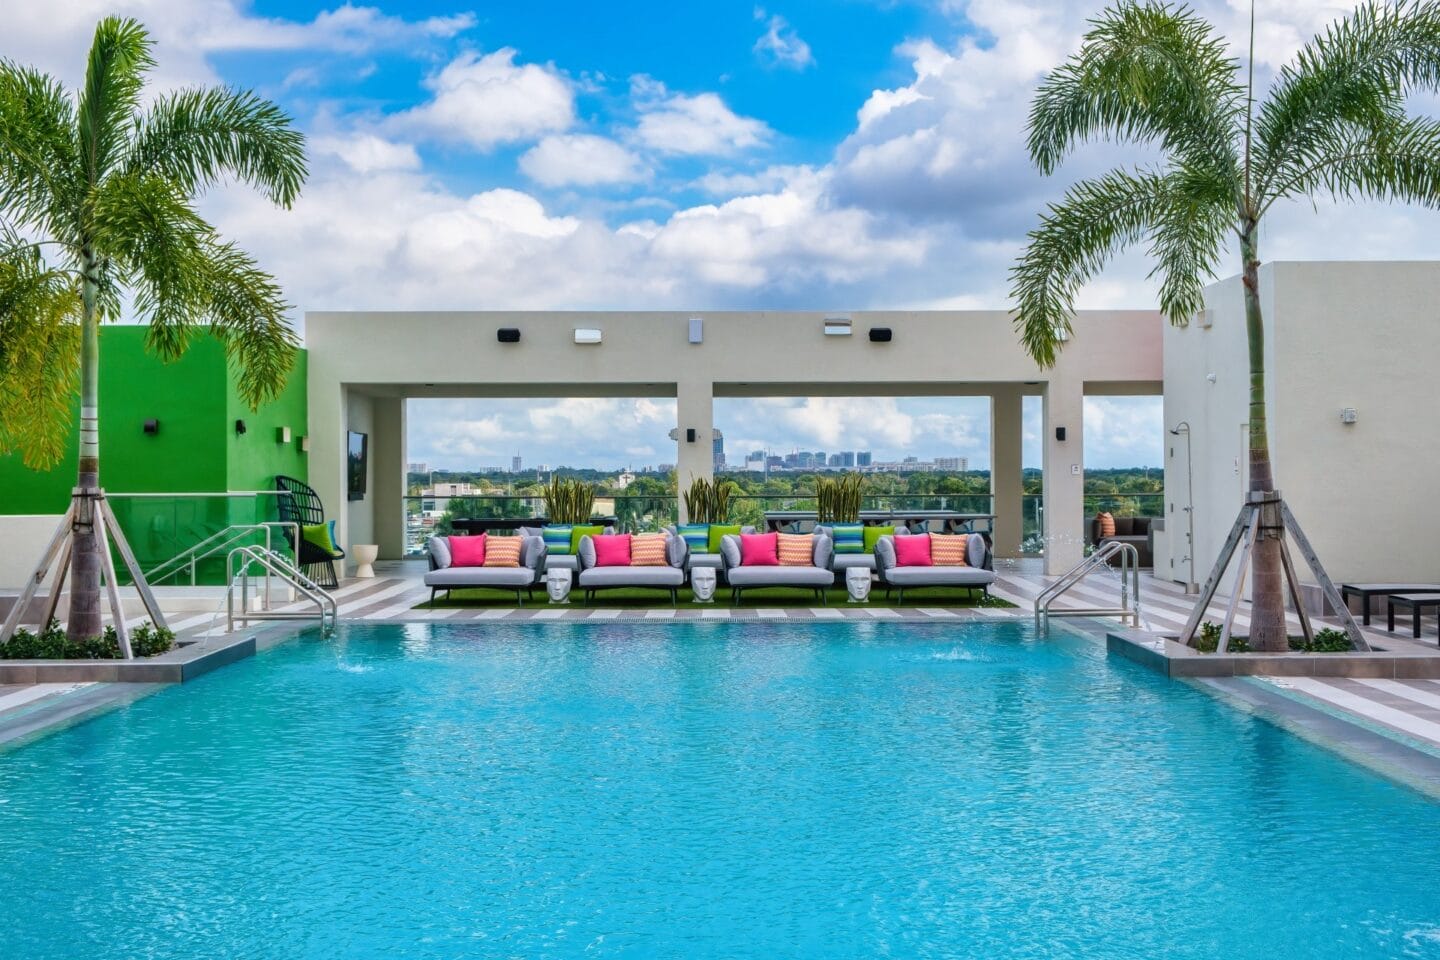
939 353
1362 335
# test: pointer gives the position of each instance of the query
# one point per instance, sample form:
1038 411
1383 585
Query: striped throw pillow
696 536
796 550
557 538
502 551
648 550
1107 524
848 537
948 550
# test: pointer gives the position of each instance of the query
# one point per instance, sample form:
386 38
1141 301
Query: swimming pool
702 790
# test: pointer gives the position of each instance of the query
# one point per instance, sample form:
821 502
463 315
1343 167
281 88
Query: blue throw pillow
557 538
696 536
848 537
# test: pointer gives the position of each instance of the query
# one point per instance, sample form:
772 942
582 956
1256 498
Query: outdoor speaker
689 434
152 426
1060 434
508 334
879 334
239 426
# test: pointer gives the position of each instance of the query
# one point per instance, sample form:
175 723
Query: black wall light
1060 434
151 426
689 434
239 426
508 334
880 335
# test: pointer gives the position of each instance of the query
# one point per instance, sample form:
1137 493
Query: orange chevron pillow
948 550
502 551
648 550
797 550
1107 524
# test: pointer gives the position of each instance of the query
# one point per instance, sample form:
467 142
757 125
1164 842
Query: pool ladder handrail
1129 609
326 609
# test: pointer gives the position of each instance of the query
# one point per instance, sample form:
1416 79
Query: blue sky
841 155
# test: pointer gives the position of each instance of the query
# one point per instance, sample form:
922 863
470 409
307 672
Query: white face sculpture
702 582
557 586
857 581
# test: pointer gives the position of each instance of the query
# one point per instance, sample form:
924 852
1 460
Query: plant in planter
837 500
568 500
146 640
708 501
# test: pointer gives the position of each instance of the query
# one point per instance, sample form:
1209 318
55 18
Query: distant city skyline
618 433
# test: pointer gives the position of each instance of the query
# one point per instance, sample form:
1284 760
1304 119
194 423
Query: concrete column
1064 499
1006 436
388 469
694 410
326 459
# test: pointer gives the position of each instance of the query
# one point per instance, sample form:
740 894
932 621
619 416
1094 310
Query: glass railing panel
160 527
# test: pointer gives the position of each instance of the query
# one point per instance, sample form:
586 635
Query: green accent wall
196 448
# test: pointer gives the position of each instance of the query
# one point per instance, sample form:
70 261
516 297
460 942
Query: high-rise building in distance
862 458
515 463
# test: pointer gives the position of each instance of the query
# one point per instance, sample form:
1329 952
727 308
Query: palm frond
1147 72
197 137
1189 238
1398 161
246 312
39 161
39 356
1354 77
114 77
1095 220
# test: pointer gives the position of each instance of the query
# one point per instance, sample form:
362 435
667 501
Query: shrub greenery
51 643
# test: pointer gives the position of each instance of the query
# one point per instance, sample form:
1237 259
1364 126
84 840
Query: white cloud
581 159
769 179
780 45
367 153
487 100
696 125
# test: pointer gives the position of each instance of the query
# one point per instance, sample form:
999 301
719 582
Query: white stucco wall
1362 335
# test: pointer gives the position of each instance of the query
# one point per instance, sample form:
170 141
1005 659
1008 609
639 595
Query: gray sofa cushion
510 577
439 548
532 553
563 561
939 576
676 550
631 577
730 550
586 553
823 550
711 560
975 550
779 577
844 561
884 553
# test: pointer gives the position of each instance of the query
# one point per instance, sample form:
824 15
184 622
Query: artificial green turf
757 597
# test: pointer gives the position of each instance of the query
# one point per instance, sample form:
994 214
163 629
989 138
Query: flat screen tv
356 454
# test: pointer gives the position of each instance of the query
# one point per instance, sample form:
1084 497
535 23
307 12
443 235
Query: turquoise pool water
712 790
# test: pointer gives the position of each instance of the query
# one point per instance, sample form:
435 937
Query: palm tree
105 185
1334 123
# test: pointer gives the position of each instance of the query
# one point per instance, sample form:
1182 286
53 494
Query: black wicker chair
299 503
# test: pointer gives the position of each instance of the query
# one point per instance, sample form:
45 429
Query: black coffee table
1367 590
1416 604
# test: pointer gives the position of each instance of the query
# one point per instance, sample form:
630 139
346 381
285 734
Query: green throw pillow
321 535
873 535
717 531
579 531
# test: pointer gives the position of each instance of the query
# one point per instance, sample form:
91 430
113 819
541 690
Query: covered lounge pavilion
365 365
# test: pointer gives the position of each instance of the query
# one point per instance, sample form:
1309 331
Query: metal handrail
281 567
1129 608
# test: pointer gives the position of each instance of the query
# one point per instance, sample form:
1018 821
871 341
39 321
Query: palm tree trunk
1267 596
84 620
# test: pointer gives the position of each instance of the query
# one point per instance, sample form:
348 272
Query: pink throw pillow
913 552
759 550
612 551
467 551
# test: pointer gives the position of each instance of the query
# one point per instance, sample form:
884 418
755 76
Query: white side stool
364 554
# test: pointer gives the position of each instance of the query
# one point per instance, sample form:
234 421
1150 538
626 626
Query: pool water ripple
708 790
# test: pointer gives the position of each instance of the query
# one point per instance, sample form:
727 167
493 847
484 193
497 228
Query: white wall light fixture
697 330
587 335
1210 377
1348 415
838 326
282 435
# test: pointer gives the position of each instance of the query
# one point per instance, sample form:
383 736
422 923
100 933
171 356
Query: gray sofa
977 576
559 561
522 579
714 561
669 577
817 577
1132 530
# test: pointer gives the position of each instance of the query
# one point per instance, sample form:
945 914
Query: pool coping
192 657
1165 655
